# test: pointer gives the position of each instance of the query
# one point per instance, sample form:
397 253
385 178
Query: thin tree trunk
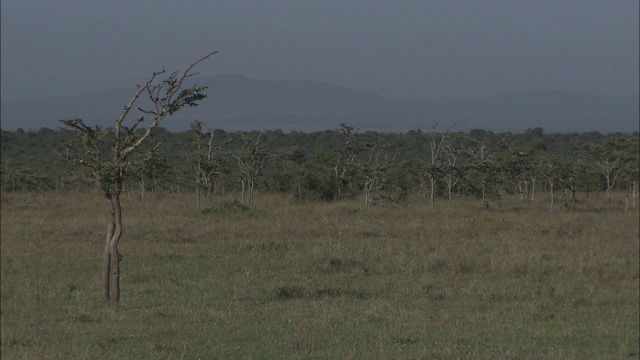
608 195
106 258
633 193
251 183
432 196
627 196
114 254
533 191
521 191
626 201
242 193
111 256
142 190
551 189
485 200
366 193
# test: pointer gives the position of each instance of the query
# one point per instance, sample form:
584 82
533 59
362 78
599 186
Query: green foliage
334 164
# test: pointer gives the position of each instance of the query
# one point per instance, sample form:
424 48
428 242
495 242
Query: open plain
320 280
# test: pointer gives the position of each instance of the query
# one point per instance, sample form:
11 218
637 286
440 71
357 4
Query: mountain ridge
238 102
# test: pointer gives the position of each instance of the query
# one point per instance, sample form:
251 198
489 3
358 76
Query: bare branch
166 105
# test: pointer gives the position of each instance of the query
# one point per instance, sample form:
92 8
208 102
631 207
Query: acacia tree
346 158
451 171
208 162
550 169
374 171
517 168
631 174
612 157
252 156
285 172
439 145
571 170
151 172
167 95
483 166
535 169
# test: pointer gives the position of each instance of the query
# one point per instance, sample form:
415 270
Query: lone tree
167 95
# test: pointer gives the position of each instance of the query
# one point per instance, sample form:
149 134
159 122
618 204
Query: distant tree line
432 162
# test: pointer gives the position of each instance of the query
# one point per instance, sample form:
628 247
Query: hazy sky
420 48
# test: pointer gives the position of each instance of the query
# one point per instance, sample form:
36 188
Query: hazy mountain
236 102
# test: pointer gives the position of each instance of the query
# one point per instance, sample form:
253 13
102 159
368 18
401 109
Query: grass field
323 280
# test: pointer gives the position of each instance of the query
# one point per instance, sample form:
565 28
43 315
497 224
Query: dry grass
288 280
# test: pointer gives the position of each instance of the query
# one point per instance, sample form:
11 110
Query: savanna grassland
320 280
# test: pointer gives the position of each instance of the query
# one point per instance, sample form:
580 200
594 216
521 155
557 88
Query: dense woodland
433 163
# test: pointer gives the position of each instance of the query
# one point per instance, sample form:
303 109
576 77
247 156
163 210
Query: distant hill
236 102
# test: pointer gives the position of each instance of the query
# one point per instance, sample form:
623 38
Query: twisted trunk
111 257
106 258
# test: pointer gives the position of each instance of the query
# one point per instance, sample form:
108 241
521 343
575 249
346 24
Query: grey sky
433 49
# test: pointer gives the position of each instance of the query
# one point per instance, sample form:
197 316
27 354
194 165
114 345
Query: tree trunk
242 192
432 195
251 183
142 188
111 256
366 193
608 194
521 191
633 194
533 191
626 201
551 190
485 200
106 258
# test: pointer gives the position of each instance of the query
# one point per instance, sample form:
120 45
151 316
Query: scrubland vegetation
339 164
435 244
430 244
291 278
